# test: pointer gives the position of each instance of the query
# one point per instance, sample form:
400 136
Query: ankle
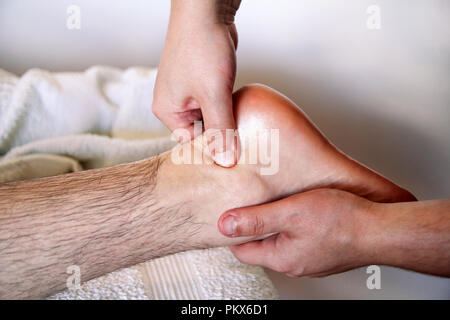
204 191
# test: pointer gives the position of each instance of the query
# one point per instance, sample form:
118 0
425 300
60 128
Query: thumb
257 220
220 129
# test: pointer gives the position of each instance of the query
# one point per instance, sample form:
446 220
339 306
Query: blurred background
381 95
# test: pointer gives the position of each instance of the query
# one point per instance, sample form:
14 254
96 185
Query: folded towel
55 123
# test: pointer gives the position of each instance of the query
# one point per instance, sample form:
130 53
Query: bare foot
307 160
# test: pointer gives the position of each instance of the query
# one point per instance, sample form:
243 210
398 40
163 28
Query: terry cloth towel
55 123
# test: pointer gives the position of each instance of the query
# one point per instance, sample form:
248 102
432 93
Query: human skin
102 220
197 70
324 231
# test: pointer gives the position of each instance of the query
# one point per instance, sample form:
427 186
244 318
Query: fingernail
229 225
224 159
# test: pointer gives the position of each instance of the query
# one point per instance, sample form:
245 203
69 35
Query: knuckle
156 109
279 266
293 219
257 225
287 267
282 269
242 257
296 272
292 275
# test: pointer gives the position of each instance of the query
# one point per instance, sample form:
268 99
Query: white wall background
381 96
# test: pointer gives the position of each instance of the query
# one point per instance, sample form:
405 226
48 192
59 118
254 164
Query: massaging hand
197 70
317 233
328 231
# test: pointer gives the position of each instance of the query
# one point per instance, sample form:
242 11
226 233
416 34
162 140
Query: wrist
204 11
370 235
226 10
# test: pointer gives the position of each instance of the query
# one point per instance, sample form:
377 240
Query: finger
184 126
258 220
182 119
257 253
220 130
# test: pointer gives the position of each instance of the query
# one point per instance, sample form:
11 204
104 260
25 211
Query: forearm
411 235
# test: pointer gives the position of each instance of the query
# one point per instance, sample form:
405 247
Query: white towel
54 123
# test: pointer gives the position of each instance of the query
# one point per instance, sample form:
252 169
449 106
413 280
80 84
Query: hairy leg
98 220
